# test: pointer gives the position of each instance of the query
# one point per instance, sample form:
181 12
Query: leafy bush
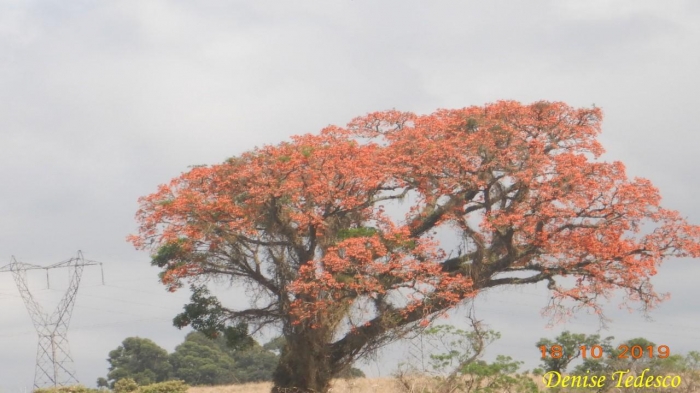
499 376
67 389
125 385
165 387
128 385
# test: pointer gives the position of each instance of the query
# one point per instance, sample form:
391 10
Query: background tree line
199 360
620 357
449 361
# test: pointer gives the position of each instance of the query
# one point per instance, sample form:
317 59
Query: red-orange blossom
520 186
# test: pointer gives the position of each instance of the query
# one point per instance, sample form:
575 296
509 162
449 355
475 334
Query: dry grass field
418 383
359 385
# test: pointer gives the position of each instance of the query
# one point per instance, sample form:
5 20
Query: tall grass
357 385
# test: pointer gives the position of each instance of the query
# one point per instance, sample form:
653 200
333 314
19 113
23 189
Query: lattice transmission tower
54 364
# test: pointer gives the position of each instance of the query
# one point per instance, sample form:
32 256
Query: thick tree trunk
304 367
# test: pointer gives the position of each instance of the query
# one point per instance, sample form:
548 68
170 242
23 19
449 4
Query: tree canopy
199 360
337 231
140 359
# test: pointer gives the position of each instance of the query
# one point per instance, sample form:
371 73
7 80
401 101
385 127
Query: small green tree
499 376
455 365
139 359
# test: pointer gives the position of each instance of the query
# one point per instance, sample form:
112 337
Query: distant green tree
571 344
139 359
617 362
352 372
102 382
199 361
255 364
276 344
612 360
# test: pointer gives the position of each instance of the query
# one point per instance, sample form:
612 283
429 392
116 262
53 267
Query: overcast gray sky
102 101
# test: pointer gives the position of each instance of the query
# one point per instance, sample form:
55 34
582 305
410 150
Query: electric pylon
54 364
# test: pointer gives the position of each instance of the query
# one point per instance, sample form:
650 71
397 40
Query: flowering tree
307 226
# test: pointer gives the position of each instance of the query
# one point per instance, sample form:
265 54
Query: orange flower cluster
519 184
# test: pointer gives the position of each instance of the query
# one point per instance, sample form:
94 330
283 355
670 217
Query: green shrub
67 389
125 385
165 387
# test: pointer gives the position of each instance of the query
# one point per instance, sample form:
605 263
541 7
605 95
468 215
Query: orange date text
596 352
